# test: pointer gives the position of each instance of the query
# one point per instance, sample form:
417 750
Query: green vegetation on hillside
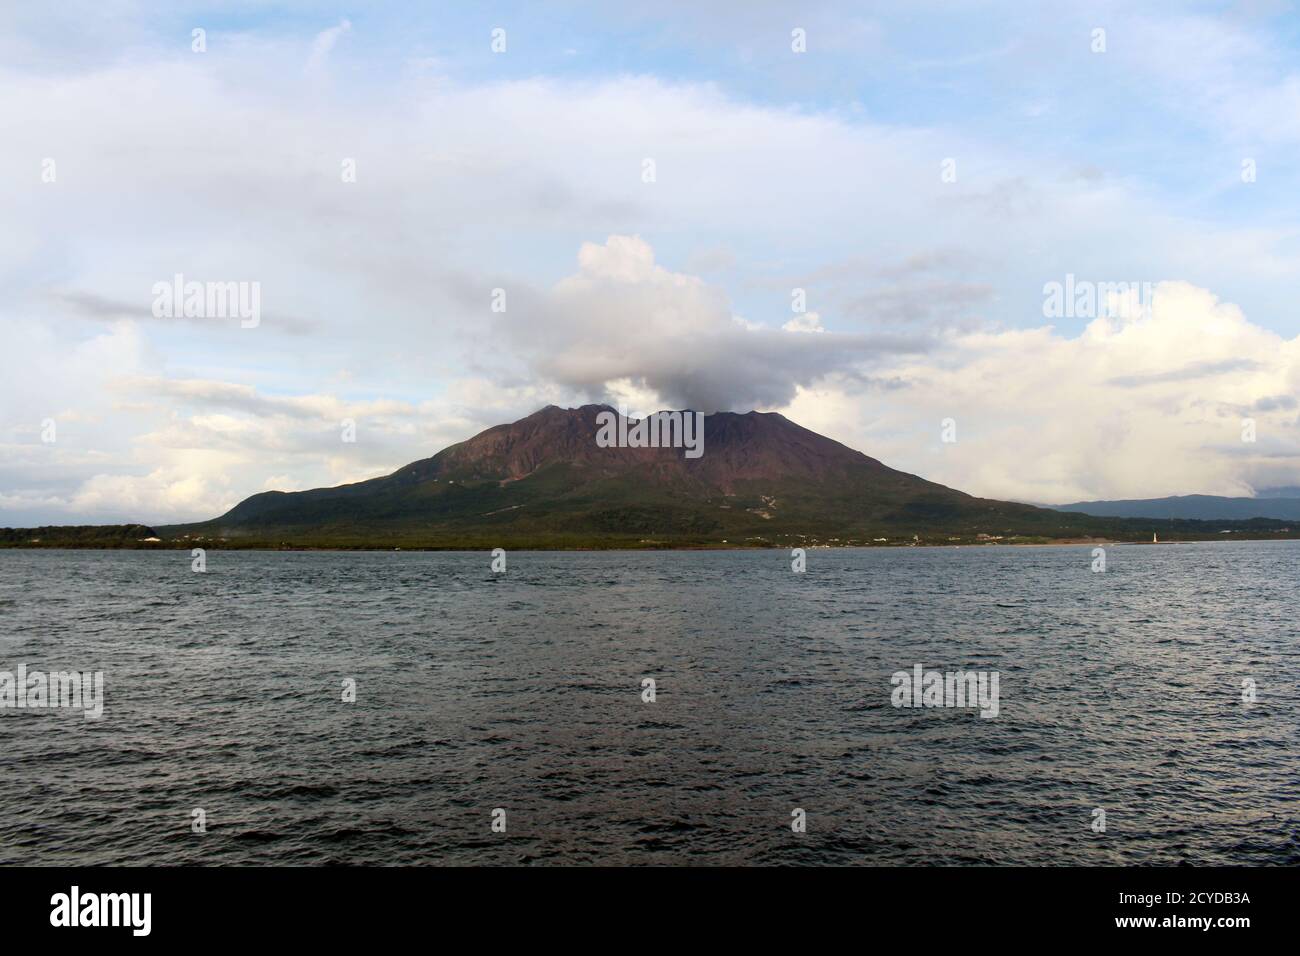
543 483
81 536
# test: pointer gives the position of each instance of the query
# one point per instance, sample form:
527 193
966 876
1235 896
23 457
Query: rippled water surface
523 691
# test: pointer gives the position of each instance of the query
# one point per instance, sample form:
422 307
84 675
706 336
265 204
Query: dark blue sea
522 691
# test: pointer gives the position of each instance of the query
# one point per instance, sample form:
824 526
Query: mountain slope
1196 507
544 481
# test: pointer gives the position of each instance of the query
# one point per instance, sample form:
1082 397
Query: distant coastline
134 538
547 482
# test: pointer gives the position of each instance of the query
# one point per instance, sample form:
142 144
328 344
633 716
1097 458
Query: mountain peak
759 477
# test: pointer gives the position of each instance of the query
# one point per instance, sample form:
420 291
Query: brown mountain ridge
544 481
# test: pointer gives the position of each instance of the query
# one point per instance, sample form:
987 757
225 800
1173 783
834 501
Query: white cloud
1125 409
805 322
622 318
463 187
324 43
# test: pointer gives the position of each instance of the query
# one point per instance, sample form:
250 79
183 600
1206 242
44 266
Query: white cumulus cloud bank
1136 407
377 291
622 317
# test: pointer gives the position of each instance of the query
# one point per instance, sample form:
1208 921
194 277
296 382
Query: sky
451 215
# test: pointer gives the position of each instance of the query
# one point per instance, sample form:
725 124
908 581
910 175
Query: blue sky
524 170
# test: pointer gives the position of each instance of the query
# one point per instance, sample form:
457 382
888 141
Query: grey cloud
926 288
1186 373
713 259
1009 198
91 306
1273 403
856 269
244 398
226 395
100 308
622 317
748 369
933 301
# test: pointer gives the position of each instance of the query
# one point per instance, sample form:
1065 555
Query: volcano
545 481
